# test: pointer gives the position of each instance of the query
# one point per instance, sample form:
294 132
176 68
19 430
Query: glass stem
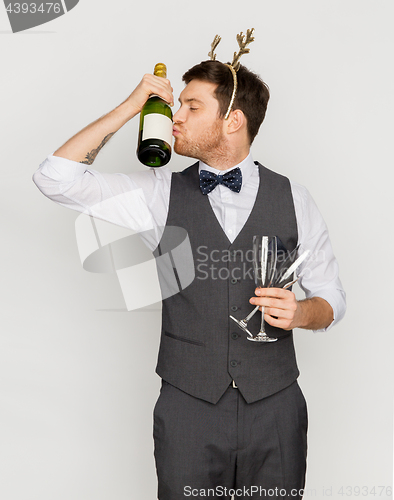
251 314
262 329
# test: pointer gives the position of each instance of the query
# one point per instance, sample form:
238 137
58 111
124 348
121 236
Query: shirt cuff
337 300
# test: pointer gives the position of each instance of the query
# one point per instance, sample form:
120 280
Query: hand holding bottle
150 85
85 145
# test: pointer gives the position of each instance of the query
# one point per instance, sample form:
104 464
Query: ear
235 121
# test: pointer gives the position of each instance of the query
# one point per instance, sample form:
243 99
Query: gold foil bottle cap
160 70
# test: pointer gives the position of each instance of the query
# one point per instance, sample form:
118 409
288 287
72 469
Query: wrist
127 111
299 319
314 313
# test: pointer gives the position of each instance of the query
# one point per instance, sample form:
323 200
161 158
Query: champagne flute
264 266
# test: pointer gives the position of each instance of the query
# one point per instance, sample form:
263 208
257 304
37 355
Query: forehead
198 90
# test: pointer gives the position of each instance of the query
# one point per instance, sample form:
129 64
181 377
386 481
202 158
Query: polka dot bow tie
209 180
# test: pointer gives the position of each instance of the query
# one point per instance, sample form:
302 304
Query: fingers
150 84
280 307
160 86
279 313
273 292
275 298
284 323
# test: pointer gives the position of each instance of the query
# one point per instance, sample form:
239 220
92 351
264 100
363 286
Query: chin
185 154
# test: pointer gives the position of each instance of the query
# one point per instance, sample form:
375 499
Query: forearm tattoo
90 157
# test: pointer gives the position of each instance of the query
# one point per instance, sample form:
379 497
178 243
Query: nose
178 117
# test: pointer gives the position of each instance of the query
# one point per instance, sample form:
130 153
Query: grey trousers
253 450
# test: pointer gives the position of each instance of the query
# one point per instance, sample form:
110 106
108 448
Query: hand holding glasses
268 273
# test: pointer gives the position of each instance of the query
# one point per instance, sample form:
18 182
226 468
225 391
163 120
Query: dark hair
252 93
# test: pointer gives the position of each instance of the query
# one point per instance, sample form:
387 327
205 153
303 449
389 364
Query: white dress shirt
140 201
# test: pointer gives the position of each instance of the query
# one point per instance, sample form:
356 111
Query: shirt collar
247 167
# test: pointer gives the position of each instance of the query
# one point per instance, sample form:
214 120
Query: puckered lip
175 131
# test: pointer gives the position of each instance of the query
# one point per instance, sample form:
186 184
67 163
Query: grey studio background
77 381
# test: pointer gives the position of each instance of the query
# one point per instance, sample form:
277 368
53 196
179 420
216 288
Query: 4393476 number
34 8
366 491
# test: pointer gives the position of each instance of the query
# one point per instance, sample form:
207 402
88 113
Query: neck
223 159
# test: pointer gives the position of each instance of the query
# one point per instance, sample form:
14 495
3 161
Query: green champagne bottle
155 135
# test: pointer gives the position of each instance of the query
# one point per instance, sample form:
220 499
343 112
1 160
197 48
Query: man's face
198 130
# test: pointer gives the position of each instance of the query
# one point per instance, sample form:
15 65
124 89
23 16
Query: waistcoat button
233 363
234 281
234 336
234 308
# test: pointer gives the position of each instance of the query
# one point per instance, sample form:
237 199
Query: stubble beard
209 147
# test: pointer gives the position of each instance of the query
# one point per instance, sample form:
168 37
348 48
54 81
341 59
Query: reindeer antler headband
243 41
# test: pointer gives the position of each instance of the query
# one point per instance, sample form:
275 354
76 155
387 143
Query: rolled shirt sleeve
137 201
320 271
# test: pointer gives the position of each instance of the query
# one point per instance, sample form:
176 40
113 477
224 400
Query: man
231 418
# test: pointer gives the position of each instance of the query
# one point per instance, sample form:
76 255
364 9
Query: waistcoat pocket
183 339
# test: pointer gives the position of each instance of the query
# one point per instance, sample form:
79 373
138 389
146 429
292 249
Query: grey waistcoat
202 350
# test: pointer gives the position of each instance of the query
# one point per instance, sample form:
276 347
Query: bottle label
157 126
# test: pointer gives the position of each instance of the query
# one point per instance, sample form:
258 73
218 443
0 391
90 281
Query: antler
214 44
243 41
